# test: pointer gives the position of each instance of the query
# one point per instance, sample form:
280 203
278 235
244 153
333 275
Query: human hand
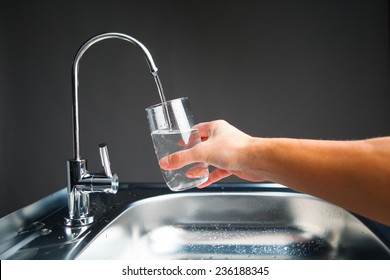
224 147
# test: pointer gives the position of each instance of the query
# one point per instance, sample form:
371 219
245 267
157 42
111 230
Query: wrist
257 156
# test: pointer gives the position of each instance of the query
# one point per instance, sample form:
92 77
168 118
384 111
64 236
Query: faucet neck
75 72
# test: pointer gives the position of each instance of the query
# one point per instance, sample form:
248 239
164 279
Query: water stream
163 100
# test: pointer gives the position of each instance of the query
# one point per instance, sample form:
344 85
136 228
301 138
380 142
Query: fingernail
201 186
164 162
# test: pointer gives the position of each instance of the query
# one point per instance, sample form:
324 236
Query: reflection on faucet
80 182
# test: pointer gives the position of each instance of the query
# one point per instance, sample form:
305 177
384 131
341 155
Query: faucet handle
105 159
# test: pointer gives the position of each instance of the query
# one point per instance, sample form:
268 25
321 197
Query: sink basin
235 225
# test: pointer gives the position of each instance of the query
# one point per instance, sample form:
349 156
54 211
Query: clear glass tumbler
171 125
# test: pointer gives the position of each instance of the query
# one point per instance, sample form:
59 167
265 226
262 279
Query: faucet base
78 222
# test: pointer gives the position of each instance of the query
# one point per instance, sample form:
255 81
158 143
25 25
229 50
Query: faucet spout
80 182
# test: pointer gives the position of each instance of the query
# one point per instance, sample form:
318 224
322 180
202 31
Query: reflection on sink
235 226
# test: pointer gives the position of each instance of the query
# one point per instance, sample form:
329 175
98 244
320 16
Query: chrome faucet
80 182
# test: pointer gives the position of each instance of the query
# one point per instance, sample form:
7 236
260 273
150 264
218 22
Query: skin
352 174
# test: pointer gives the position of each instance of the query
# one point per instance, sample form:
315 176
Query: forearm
352 174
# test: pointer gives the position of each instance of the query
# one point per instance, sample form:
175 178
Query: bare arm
352 174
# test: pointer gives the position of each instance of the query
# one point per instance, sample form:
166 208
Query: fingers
215 176
180 159
198 170
172 161
204 130
184 141
196 154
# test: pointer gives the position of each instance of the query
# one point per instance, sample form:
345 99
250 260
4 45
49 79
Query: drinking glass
171 126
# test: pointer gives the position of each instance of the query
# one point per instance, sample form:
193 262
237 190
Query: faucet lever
103 150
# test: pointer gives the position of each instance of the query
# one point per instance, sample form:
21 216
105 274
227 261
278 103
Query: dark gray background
312 69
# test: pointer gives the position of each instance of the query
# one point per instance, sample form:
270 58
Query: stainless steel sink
223 221
235 225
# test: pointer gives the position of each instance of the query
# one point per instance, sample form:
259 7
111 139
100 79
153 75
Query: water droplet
32 227
45 231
